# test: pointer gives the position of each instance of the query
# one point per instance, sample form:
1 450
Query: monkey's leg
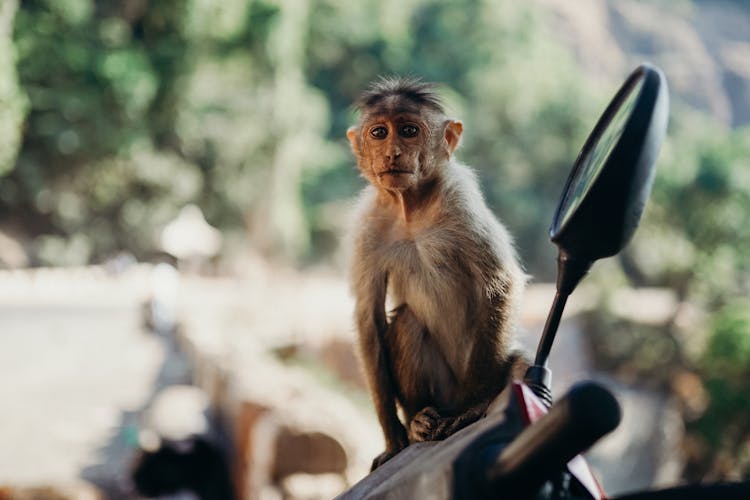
385 404
392 373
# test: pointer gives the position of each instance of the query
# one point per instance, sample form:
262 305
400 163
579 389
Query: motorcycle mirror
607 189
606 192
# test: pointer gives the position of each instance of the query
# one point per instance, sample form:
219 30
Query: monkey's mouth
394 171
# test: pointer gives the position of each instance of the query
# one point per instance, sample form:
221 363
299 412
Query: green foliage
696 235
102 86
727 355
253 97
725 368
495 63
694 239
13 103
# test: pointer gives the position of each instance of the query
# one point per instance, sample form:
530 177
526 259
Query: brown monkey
427 243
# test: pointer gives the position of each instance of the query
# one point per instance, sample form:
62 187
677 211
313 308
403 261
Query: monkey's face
393 150
397 151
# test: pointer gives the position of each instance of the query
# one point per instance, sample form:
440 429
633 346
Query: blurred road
75 369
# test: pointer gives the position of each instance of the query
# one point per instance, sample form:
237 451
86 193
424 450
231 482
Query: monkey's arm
372 325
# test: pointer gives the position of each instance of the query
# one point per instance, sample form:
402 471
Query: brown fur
427 242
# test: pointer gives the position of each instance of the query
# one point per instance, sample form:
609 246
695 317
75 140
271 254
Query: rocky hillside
702 46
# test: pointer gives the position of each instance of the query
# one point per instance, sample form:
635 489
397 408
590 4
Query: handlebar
541 450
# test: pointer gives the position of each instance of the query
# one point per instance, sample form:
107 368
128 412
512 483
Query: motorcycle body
521 449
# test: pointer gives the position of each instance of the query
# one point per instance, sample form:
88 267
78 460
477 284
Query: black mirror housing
606 192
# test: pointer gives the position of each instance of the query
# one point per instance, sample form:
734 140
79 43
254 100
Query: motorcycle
527 447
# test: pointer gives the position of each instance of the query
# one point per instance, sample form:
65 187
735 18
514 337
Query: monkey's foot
383 458
428 425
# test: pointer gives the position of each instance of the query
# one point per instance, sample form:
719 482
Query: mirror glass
590 165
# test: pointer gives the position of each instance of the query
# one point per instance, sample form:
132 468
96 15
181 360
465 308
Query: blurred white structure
178 413
162 308
189 237
12 254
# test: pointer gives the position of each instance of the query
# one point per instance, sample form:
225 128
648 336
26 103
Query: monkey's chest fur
443 300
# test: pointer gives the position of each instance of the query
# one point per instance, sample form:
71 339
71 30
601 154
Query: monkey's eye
408 130
379 132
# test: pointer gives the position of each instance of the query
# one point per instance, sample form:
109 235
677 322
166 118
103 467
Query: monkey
426 243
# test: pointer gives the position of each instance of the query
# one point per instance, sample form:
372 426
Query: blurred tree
249 100
695 240
101 80
251 120
721 443
697 230
13 103
518 92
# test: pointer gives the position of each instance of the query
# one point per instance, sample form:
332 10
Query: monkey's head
403 137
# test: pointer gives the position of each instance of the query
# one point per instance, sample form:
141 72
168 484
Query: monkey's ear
352 133
453 131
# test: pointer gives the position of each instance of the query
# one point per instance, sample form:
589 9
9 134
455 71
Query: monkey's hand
428 425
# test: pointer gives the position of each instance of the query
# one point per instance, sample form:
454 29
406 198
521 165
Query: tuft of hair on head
411 88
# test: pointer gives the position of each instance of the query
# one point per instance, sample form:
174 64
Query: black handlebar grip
573 424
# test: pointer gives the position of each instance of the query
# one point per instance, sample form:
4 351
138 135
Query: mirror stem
550 329
538 377
569 273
